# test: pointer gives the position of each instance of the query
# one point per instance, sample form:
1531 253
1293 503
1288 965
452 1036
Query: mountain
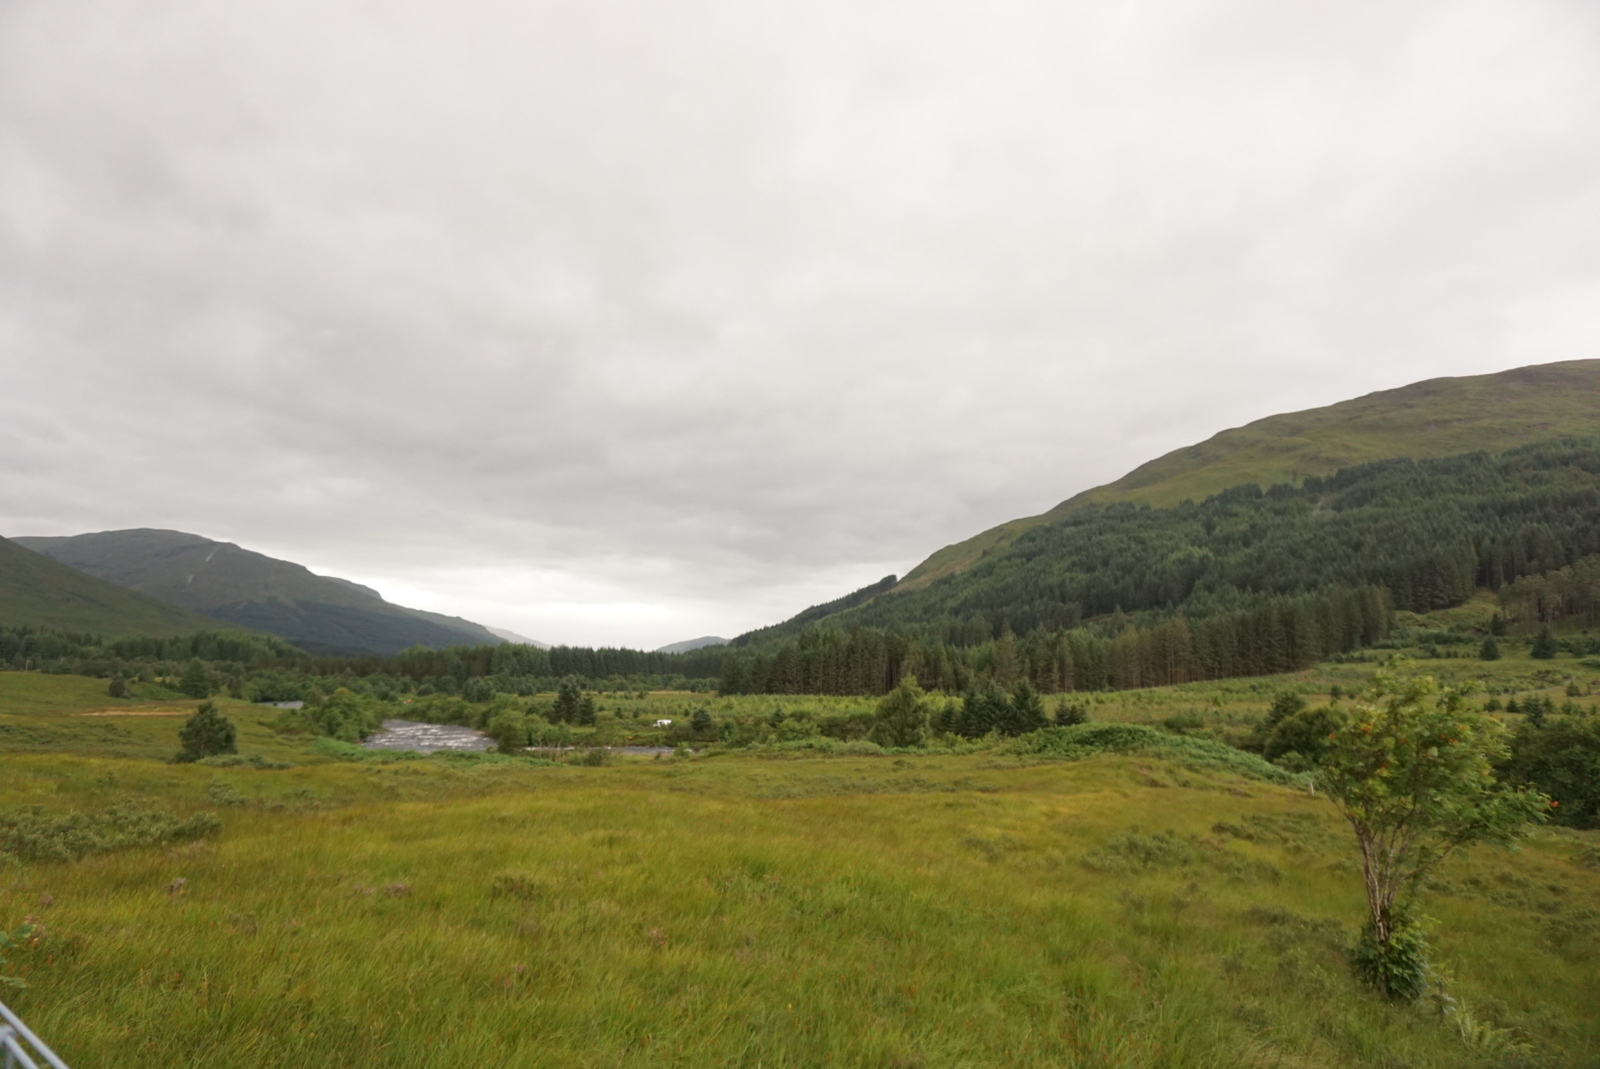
36 591
318 613
693 644
1434 418
516 639
1167 536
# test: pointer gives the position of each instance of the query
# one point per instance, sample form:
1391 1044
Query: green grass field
744 909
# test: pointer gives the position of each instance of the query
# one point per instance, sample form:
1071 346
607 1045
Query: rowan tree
1411 771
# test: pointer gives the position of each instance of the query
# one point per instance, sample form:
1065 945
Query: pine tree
205 733
196 682
568 700
1026 709
701 721
983 711
1069 713
1005 659
1544 644
1490 650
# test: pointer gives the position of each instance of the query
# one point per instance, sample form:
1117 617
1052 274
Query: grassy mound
1085 740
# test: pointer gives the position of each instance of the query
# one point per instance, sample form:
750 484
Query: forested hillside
1434 418
1246 582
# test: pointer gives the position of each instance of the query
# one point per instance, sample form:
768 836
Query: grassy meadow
759 907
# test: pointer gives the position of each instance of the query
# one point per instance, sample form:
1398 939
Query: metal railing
21 1047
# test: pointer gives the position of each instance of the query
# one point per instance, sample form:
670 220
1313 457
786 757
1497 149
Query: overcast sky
614 321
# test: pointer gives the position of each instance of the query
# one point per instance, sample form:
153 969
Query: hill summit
36 591
1434 418
220 580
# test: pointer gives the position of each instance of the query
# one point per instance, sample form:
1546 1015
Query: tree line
1279 634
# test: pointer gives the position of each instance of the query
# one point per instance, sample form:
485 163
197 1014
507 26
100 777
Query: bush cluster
32 835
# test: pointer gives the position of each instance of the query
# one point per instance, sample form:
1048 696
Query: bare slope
36 591
247 589
1434 418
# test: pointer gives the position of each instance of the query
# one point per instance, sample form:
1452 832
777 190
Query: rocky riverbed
427 738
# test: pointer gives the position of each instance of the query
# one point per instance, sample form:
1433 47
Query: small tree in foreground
1411 772
205 733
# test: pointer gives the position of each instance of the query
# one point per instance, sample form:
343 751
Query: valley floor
750 909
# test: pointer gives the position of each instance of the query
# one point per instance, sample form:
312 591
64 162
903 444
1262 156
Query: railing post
13 1034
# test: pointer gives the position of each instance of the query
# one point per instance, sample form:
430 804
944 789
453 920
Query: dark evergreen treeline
558 662
22 647
266 668
1279 634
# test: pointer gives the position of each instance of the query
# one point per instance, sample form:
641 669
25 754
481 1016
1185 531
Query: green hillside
322 614
36 591
1434 418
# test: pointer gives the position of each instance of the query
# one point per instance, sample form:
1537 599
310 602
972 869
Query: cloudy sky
622 322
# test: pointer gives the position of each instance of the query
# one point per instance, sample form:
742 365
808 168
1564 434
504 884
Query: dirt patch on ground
141 711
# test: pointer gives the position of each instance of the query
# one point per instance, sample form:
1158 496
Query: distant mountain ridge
223 581
693 644
36 591
516 639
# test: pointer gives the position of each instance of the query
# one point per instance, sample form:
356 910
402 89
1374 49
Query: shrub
221 792
1559 756
233 760
901 718
1185 722
118 687
346 716
1086 740
1398 966
205 733
1135 852
1300 740
30 835
508 727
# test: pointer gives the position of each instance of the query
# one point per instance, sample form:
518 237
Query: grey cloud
611 322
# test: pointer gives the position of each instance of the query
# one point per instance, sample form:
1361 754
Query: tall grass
824 911
741 909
